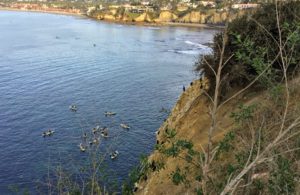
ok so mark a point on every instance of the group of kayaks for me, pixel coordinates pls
(48, 133)
(103, 133)
(112, 155)
(74, 108)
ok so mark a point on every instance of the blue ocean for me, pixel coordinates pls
(48, 62)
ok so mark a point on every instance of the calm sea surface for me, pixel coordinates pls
(48, 62)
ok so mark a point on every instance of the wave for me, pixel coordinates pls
(196, 44)
(203, 48)
(188, 52)
(202, 51)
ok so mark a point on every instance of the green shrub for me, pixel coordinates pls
(282, 178)
(178, 177)
(254, 49)
(245, 113)
(171, 133)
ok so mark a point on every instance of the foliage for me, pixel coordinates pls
(245, 113)
(282, 177)
(176, 147)
(170, 133)
(137, 173)
(178, 177)
(252, 47)
(17, 190)
(225, 145)
(199, 191)
(276, 93)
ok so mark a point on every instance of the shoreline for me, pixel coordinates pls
(152, 24)
(196, 25)
(161, 24)
(43, 11)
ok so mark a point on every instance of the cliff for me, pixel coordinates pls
(190, 119)
(166, 16)
(145, 17)
(193, 17)
(212, 16)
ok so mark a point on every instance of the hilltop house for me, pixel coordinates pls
(145, 3)
(182, 7)
(207, 3)
(244, 6)
(168, 7)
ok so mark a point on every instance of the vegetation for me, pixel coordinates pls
(253, 46)
(260, 154)
(138, 173)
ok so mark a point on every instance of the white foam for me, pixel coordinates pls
(196, 44)
(203, 51)
(189, 52)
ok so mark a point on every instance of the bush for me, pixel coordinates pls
(253, 48)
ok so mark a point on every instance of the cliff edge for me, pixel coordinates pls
(190, 119)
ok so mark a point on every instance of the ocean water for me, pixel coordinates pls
(48, 62)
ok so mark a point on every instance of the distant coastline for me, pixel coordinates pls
(43, 11)
(174, 24)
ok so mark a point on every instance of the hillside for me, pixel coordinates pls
(236, 130)
(212, 17)
(190, 119)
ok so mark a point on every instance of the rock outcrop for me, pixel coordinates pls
(166, 16)
(145, 17)
(109, 17)
(192, 17)
(212, 16)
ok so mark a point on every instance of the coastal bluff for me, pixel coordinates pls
(190, 119)
(210, 17)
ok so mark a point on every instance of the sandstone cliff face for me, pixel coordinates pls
(109, 17)
(196, 17)
(99, 17)
(125, 18)
(211, 17)
(113, 11)
(192, 17)
(166, 16)
(145, 17)
(191, 121)
(190, 118)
